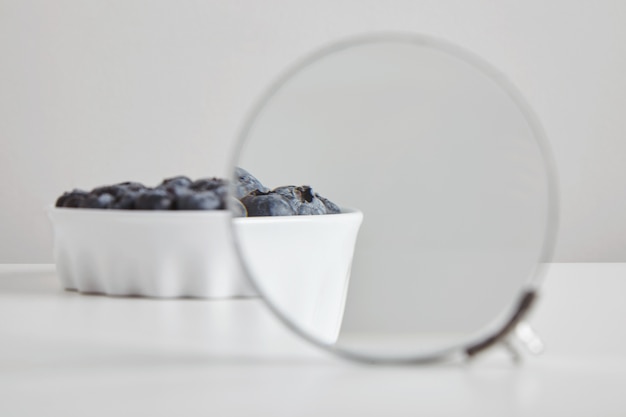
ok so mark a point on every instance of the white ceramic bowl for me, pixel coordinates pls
(147, 253)
(301, 265)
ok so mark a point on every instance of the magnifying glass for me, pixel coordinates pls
(445, 192)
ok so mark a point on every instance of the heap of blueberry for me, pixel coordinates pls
(181, 193)
(177, 193)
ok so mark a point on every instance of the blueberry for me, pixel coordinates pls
(175, 186)
(125, 193)
(131, 186)
(114, 190)
(222, 190)
(331, 208)
(127, 200)
(201, 200)
(302, 199)
(205, 184)
(71, 199)
(216, 185)
(288, 193)
(176, 191)
(98, 201)
(259, 203)
(245, 183)
(155, 199)
(237, 207)
(174, 182)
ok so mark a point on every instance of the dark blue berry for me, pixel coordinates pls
(72, 199)
(174, 182)
(131, 186)
(175, 186)
(127, 200)
(155, 199)
(98, 201)
(114, 190)
(206, 184)
(217, 185)
(202, 200)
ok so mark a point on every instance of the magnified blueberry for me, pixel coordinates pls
(155, 199)
(98, 201)
(331, 208)
(302, 199)
(288, 192)
(202, 200)
(246, 183)
(72, 198)
(259, 203)
(237, 207)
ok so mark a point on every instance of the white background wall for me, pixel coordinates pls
(93, 92)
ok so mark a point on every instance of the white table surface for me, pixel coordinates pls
(66, 354)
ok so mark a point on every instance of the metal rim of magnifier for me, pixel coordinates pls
(527, 296)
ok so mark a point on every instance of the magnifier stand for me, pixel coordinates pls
(517, 332)
(526, 337)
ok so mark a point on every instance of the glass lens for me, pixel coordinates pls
(445, 189)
